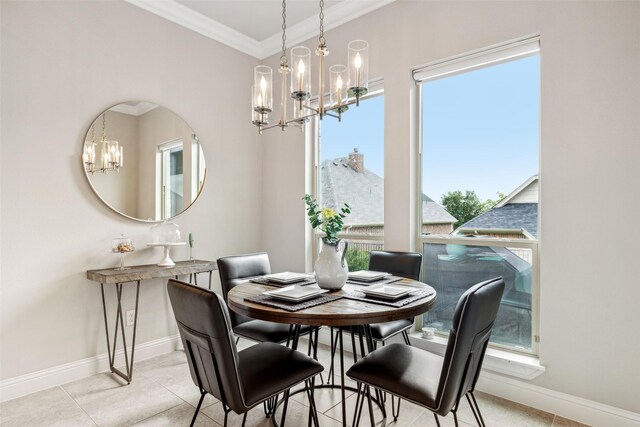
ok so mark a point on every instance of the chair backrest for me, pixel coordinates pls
(473, 319)
(404, 264)
(235, 269)
(205, 329)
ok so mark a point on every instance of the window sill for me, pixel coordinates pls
(502, 362)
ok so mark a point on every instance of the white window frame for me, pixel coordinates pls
(313, 132)
(161, 159)
(481, 58)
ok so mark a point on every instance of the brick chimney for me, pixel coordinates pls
(356, 161)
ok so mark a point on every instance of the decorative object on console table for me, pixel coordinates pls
(166, 235)
(121, 245)
(191, 241)
(331, 267)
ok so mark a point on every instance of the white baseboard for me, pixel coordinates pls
(565, 405)
(29, 383)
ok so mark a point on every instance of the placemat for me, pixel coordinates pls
(265, 281)
(385, 281)
(413, 296)
(292, 306)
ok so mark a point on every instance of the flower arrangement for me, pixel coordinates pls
(329, 221)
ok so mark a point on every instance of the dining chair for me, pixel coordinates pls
(401, 264)
(237, 269)
(239, 379)
(434, 382)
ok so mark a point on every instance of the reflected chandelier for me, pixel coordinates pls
(111, 155)
(347, 84)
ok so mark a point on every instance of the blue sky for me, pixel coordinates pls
(480, 130)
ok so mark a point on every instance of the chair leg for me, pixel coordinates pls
(226, 414)
(479, 418)
(195, 415)
(358, 407)
(373, 423)
(455, 418)
(313, 410)
(353, 344)
(437, 420)
(405, 335)
(237, 340)
(395, 412)
(284, 408)
(244, 419)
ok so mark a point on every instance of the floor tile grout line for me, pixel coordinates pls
(77, 404)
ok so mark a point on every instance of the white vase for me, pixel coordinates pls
(331, 266)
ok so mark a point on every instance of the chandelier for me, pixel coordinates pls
(111, 155)
(346, 84)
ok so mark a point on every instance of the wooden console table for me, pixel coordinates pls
(136, 273)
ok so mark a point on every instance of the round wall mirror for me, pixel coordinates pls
(143, 161)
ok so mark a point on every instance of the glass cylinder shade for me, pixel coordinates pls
(300, 73)
(262, 89)
(259, 116)
(358, 51)
(338, 79)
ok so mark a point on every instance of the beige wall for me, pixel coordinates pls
(590, 99)
(63, 63)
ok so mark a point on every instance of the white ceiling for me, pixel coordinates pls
(254, 26)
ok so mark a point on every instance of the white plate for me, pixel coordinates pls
(386, 291)
(367, 276)
(287, 277)
(296, 293)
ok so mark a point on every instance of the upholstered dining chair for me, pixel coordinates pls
(237, 269)
(431, 381)
(240, 380)
(402, 264)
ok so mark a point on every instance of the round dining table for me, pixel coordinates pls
(340, 312)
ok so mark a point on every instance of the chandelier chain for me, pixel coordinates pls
(283, 57)
(321, 39)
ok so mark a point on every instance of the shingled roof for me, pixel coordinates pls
(364, 192)
(516, 216)
(518, 212)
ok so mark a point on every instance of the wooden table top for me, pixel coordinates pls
(151, 271)
(342, 312)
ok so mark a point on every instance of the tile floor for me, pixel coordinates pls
(162, 394)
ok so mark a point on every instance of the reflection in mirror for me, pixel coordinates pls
(164, 170)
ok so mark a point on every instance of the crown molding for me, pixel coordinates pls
(195, 21)
(335, 16)
(137, 110)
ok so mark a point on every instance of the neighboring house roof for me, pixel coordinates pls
(518, 216)
(433, 213)
(516, 212)
(364, 193)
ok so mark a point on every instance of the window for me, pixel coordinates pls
(351, 170)
(479, 184)
(171, 178)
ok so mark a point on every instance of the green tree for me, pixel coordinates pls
(489, 203)
(463, 207)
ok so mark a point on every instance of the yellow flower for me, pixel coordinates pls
(328, 213)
